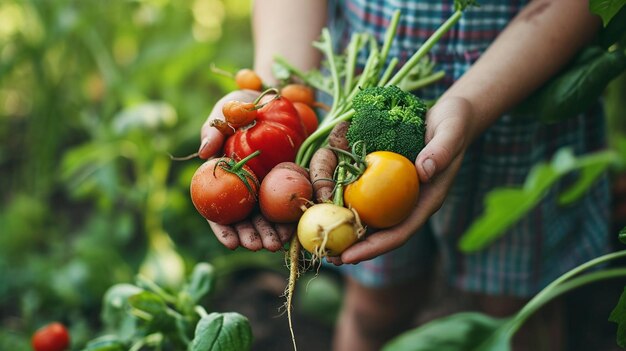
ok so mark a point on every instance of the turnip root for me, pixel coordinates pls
(328, 229)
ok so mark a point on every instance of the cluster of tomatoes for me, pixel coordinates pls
(259, 136)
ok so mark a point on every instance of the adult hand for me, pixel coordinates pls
(447, 137)
(257, 232)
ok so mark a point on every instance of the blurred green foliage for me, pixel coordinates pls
(94, 97)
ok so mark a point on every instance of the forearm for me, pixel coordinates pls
(287, 28)
(535, 45)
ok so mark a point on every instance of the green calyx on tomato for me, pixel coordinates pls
(277, 133)
(237, 168)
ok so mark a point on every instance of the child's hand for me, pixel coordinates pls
(447, 137)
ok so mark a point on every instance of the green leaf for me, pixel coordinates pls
(147, 303)
(464, 331)
(587, 177)
(606, 9)
(618, 315)
(222, 332)
(152, 310)
(201, 282)
(115, 310)
(506, 206)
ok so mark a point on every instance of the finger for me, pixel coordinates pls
(211, 139)
(248, 236)
(336, 260)
(285, 231)
(444, 140)
(269, 237)
(225, 235)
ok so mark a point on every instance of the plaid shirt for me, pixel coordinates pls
(550, 239)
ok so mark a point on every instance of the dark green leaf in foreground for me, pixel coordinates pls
(222, 332)
(465, 331)
(618, 315)
(606, 9)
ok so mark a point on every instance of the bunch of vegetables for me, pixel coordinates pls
(358, 162)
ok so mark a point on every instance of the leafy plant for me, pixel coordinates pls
(505, 206)
(147, 316)
(473, 331)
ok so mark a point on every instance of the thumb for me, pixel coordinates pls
(211, 140)
(445, 139)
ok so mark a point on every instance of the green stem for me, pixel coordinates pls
(389, 35)
(321, 132)
(353, 49)
(239, 165)
(201, 311)
(300, 74)
(332, 65)
(551, 292)
(156, 289)
(341, 175)
(583, 267)
(388, 72)
(561, 285)
(425, 48)
(424, 81)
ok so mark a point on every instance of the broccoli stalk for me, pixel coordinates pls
(390, 119)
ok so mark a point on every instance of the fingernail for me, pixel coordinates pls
(429, 167)
(203, 144)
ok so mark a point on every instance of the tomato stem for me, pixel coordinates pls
(239, 165)
(263, 94)
(229, 165)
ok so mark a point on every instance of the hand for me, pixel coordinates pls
(211, 139)
(447, 138)
(256, 233)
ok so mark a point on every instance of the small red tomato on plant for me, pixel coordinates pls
(277, 133)
(224, 191)
(51, 337)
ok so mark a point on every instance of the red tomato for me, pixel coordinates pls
(277, 133)
(223, 191)
(51, 337)
(308, 116)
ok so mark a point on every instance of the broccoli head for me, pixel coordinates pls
(390, 119)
